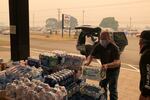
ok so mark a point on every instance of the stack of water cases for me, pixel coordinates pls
(61, 60)
(15, 72)
(8, 75)
(61, 55)
(74, 61)
(33, 62)
(69, 60)
(24, 89)
(91, 91)
(48, 59)
(73, 89)
(64, 78)
(34, 73)
(24, 82)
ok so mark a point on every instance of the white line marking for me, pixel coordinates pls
(40, 50)
(135, 65)
(129, 69)
(36, 52)
(131, 66)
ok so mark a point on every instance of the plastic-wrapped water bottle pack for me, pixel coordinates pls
(48, 60)
(94, 73)
(34, 62)
(24, 89)
(92, 91)
(64, 78)
(74, 61)
(15, 72)
(61, 60)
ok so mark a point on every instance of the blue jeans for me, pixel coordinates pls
(111, 80)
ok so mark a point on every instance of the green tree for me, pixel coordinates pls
(109, 22)
(51, 24)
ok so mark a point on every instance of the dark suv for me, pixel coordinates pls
(93, 32)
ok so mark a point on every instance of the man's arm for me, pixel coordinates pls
(88, 60)
(92, 54)
(114, 64)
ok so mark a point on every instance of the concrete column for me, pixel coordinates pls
(19, 29)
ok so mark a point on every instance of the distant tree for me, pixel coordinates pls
(60, 24)
(51, 24)
(73, 22)
(109, 22)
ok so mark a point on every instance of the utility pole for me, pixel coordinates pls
(130, 23)
(83, 12)
(59, 11)
(62, 25)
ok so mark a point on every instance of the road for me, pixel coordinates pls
(129, 58)
(131, 53)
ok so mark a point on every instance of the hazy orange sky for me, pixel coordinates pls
(95, 11)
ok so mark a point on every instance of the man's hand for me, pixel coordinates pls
(104, 66)
(86, 63)
(88, 60)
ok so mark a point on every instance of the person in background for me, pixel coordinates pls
(109, 55)
(144, 65)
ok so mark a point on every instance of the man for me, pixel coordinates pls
(109, 55)
(145, 65)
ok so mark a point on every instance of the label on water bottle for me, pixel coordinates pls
(94, 73)
(102, 74)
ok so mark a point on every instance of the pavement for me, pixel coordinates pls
(128, 85)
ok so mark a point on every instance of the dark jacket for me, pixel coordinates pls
(145, 71)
